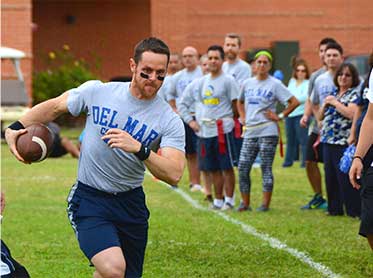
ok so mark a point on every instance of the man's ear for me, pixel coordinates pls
(132, 65)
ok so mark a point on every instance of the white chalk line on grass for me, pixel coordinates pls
(273, 242)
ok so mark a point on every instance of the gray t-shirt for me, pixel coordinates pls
(313, 125)
(179, 81)
(323, 87)
(313, 78)
(162, 92)
(240, 70)
(259, 96)
(111, 105)
(212, 98)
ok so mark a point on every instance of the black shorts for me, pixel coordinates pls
(191, 140)
(58, 150)
(314, 153)
(366, 226)
(102, 220)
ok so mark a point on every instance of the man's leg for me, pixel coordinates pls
(218, 181)
(70, 147)
(194, 176)
(207, 185)
(109, 263)
(313, 155)
(314, 176)
(191, 141)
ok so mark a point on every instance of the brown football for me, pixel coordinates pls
(36, 144)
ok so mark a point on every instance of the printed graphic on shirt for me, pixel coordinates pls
(208, 96)
(106, 119)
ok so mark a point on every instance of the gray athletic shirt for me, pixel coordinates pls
(240, 70)
(111, 105)
(162, 92)
(212, 98)
(259, 96)
(323, 87)
(313, 126)
(179, 81)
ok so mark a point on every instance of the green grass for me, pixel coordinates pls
(183, 241)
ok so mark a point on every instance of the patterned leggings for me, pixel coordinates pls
(266, 147)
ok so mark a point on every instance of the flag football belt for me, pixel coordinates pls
(220, 127)
(253, 127)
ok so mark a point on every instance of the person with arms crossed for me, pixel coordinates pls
(126, 121)
(358, 175)
(214, 97)
(314, 152)
(256, 106)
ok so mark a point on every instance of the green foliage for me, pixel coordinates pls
(63, 72)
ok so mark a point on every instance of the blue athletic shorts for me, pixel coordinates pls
(102, 220)
(209, 157)
(191, 140)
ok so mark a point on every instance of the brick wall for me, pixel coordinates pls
(202, 23)
(107, 30)
(16, 33)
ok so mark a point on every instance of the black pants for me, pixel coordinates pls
(339, 189)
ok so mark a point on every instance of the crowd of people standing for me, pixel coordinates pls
(229, 111)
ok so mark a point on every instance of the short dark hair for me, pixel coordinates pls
(354, 74)
(234, 36)
(300, 62)
(151, 44)
(334, 45)
(326, 41)
(217, 48)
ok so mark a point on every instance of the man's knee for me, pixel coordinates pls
(111, 270)
(110, 263)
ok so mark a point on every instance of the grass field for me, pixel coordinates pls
(185, 238)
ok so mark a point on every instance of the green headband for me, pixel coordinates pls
(265, 53)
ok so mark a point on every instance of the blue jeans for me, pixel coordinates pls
(295, 136)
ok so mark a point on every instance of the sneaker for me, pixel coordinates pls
(262, 208)
(213, 207)
(317, 201)
(209, 198)
(256, 165)
(195, 187)
(227, 206)
(174, 187)
(242, 208)
(323, 205)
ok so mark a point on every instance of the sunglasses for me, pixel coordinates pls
(300, 70)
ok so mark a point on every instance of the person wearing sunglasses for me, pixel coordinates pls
(296, 135)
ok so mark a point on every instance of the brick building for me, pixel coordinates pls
(108, 29)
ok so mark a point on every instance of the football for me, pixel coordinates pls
(36, 144)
